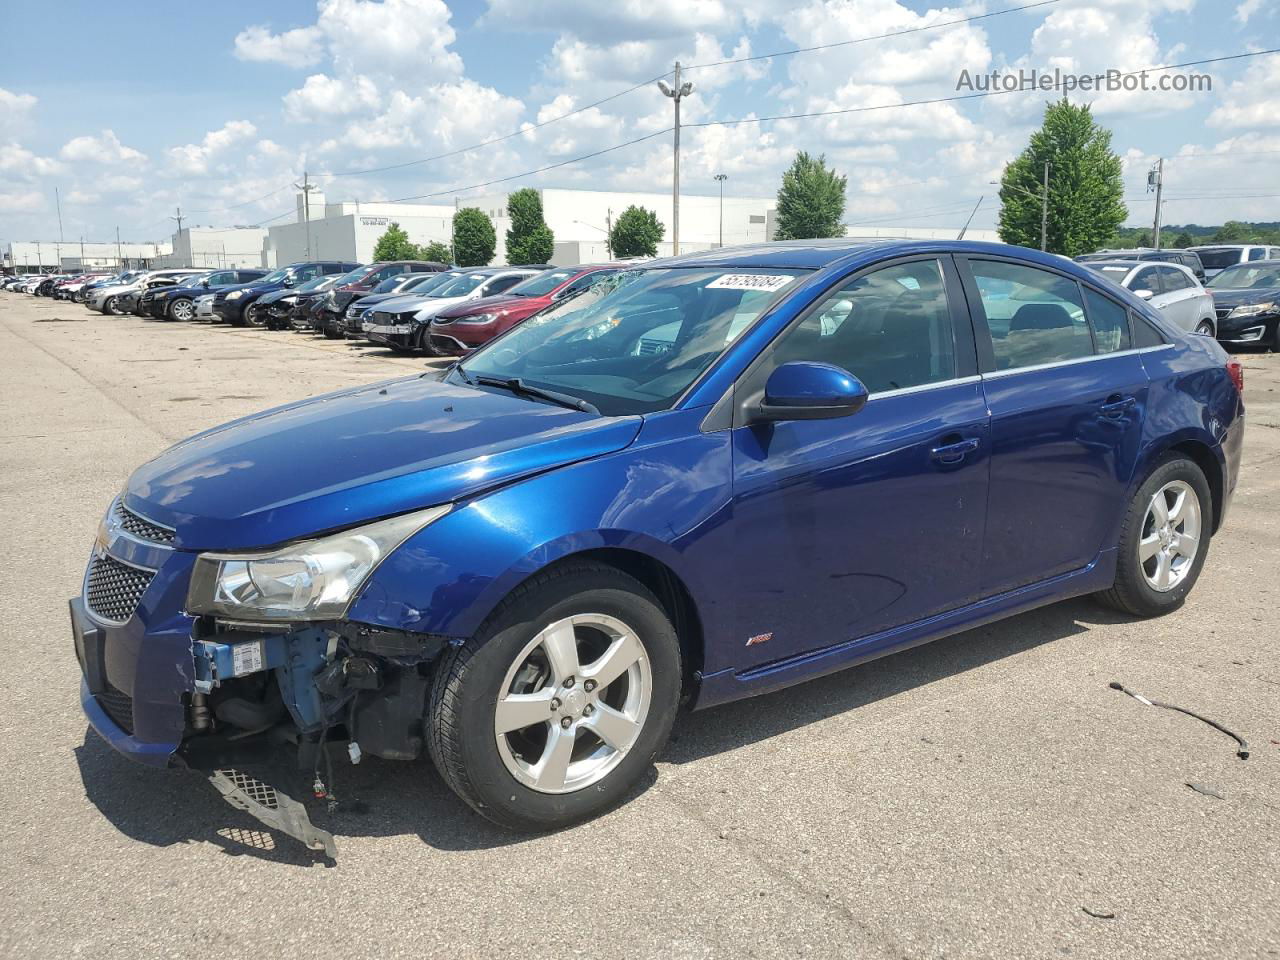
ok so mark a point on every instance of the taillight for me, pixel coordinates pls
(1235, 370)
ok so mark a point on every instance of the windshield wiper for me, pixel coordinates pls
(518, 386)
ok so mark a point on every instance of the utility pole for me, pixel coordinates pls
(40, 258)
(453, 233)
(608, 232)
(1044, 210)
(1155, 181)
(57, 198)
(179, 218)
(119, 258)
(722, 177)
(677, 92)
(965, 228)
(82, 250)
(306, 186)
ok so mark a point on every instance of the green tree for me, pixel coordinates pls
(1143, 239)
(1183, 240)
(1233, 231)
(529, 240)
(436, 251)
(810, 200)
(394, 245)
(636, 233)
(1085, 184)
(474, 238)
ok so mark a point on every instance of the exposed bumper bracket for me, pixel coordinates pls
(272, 807)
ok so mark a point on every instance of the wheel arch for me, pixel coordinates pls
(1208, 457)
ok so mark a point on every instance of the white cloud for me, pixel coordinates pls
(1247, 9)
(301, 47)
(193, 158)
(19, 162)
(323, 97)
(105, 149)
(21, 201)
(1253, 101)
(15, 109)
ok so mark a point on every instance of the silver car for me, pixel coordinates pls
(1169, 287)
(118, 299)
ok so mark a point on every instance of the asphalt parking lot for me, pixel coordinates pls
(985, 796)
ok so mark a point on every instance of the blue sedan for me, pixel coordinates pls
(705, 478)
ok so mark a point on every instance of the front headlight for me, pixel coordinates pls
(478, 318)
(1251, 310)
(235, 294)
(308, 580)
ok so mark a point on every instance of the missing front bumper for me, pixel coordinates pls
(272, 807)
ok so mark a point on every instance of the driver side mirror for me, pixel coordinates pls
(804, 390)
(1144, 294)
(288, 281)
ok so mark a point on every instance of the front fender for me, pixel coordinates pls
(666, 496)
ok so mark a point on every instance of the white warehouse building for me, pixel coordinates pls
(38, 256)
(580, 220)
(219, 247)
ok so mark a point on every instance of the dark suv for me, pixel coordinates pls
(1187, 258)
(235, 305)
(178, 302)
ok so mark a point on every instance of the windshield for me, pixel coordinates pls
(1216, 259)
(355, 276)
(275, 276)
(460, 286)
(635, 341)
(315, 283)
(540, 284)
(1247, 276)
(423, 282)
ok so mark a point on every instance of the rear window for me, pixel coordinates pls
(1219, 258)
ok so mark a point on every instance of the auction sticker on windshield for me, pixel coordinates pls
(751, 281)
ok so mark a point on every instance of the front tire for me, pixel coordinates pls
(1205, 328)
(182, 309)
(1164, 540)
(560, 703)
(112, 306)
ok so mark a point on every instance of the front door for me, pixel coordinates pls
(851, 526)
(1067, 394)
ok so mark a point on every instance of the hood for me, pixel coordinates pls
(253, 285)
(355, 456)
(1228, 297)
(377, 299)
(492, 304)
(280, 294)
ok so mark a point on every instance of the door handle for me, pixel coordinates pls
(955, 451)
(1117, 406)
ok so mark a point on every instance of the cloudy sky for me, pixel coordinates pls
(131, 112)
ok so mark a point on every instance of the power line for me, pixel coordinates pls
(236, 206)
(878, 36)
(490, 142)
(644, 83)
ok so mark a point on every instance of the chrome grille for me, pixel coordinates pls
(140, 527)
(112, 590)
(117, 705)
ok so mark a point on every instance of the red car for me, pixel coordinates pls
(461, 329)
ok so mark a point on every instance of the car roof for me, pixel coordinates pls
(847, 251)
(1127, 264)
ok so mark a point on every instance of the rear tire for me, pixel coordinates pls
(542, 645)
(1153, 572)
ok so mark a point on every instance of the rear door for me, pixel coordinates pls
(1067, 394)
(1180, 298)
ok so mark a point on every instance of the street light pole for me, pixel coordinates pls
(1044, 210)
(677, 92)
(722, 177)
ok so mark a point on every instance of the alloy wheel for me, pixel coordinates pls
(1205, 328)
(253, 315)
(113, 307)
(573, 703)
(182, 310)
(1170, 536)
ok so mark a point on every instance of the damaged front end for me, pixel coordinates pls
(270, 710)
(244, 667)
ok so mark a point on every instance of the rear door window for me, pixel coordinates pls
(1034, 316)
(1110, 322)
(1148, 278)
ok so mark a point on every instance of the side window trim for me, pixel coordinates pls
(727, 411)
